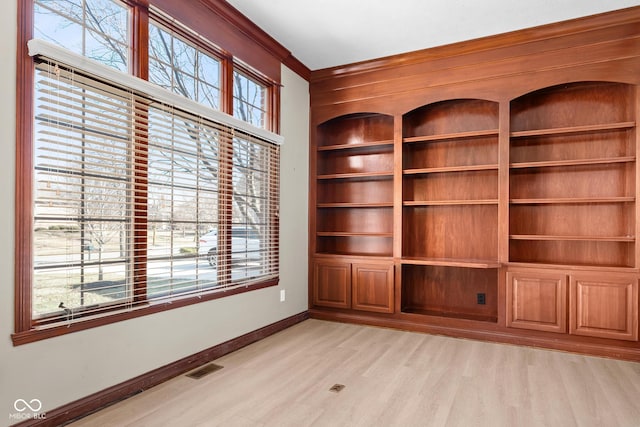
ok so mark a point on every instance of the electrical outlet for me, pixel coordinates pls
(282, 295)
(481, 298)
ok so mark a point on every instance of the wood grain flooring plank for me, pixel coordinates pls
(391, 378)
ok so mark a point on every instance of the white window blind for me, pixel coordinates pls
(140, 198)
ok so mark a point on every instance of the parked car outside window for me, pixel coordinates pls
(245, 245)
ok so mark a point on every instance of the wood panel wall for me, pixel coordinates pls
(498, 68)
(436, 284)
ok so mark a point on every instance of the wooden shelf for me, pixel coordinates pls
(367, 255)
(452, 314)
(572, 238)
(354, 175)
(577, 162)
(450, 202)
(470, 168)
(572, 200)
(355, 205)
(575, 267)
(351, 234)
(451, 262)
(573, 129)
(450, 136)
(356, 146)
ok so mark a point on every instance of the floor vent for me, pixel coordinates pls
(337, 388)
(203, 371)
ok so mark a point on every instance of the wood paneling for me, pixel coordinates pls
(582, 253)
(450, 291)
(437, 232)
(537, 301)
(332, 280)
(590, 181)
(356, 191)
(355, 129)
(573, 104)
(363, 220)
(452, 153)
(372, 287)
(463, 185)
(372, 245)
(598, 219)
(371, 159)
(594, 145)
(572, 177)
(500, 69)
(604, 306)
(514, 153)
(462, 115)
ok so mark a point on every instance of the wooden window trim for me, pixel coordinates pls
(33, 335)
(25, 74)
(272, 121)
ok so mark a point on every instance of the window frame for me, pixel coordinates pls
(140, 15)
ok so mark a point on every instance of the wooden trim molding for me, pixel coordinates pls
(32, 335)
(24, 165)
(218, 21)
(85, 406)
(508, 40)
(463, 329)
(297, 67)
(237, 19)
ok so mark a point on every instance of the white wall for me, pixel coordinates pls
(63, 369)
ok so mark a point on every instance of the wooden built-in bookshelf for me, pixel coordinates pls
(467, 194)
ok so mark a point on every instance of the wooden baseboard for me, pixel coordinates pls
(101, 399)
(600, 348)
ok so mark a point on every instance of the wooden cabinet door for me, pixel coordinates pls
(372, 287)
(537, 301)
(604, 306)
(332, 284)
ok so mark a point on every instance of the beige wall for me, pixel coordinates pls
(63, 369)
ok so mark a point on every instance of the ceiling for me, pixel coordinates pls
(327, 33)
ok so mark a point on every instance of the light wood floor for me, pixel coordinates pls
(392, 378)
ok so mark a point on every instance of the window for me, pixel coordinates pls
(82, 193)
(249, 100)
(114, 164)
(180, 67)
(255, 208)
(98, 29)
(139, 199)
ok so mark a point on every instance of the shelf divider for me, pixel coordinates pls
(366, 144)
(351, 234)
(572, 238)
(449, 202)
(351, 175)
(450, 136)
(579, 162)
(452, 262)
(572, 200)
(573, 129)
(355, 205)
(471, 168)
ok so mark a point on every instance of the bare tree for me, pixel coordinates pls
(176, 66)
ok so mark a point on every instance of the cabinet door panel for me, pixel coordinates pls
(332, 284)
(373, 287)
(604, 306)
(537, 301)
